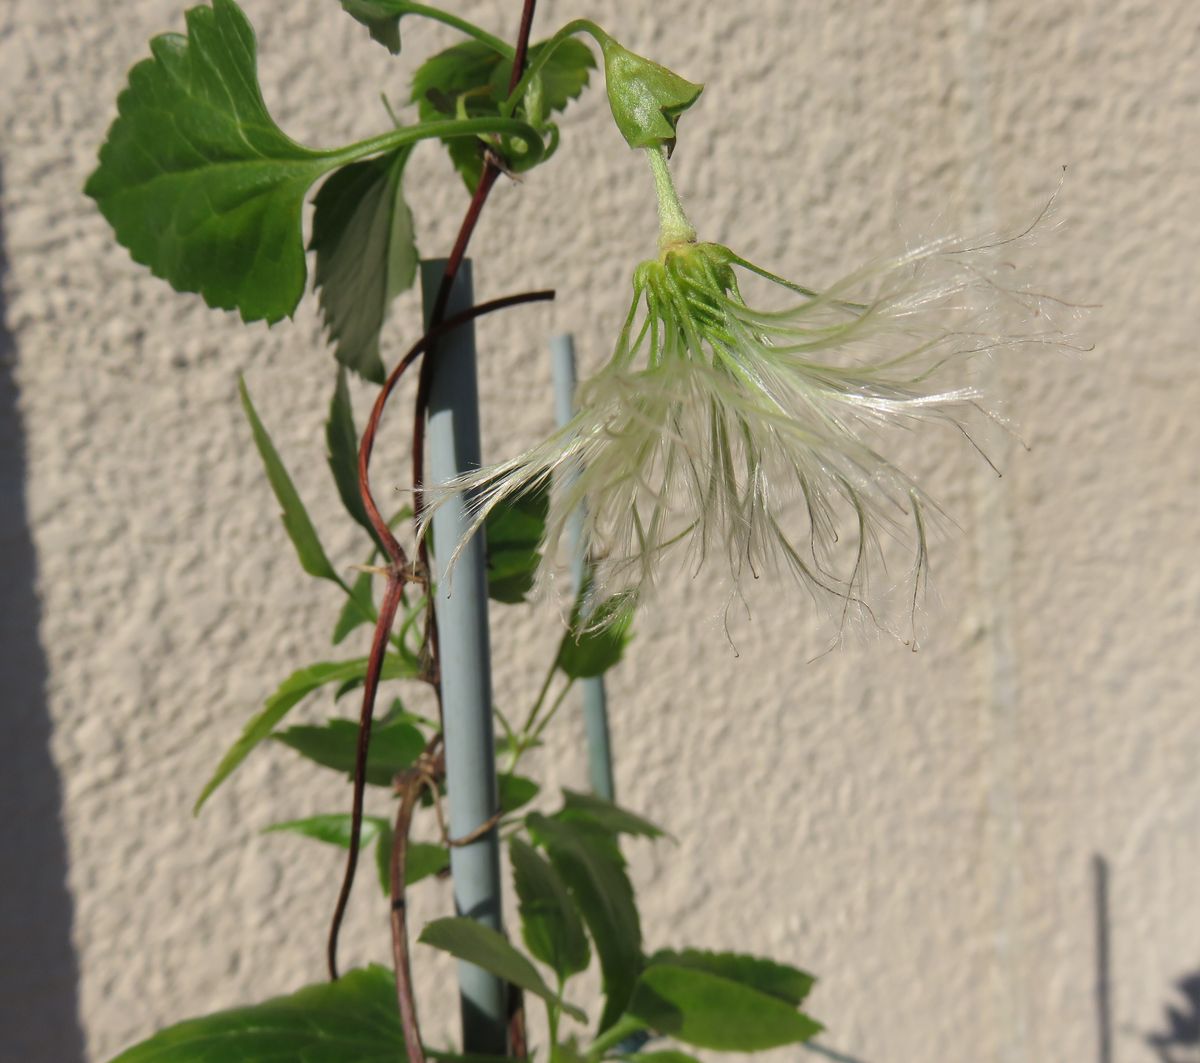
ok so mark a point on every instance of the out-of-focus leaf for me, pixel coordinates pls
(423, 860)
(468, 940)
(332, 828)
(513, 532)
(709, 1011)
(789, 984)
(591, 865)
(605, 814)
(591, 647)
(550, 923)
(354, 1018)
(516, 791)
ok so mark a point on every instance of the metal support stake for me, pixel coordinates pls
(595, 703)
(462, 612)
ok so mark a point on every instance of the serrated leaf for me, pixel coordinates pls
(354, 1018)
(550, 925)
(475, 943)
(788, 984)
(293, 514)
(515, 791)
(290, 693)
(198, 181)
(354, 612)
(394, 747)
(605, 814)
(514, 532)
(591, 648)
(341, 440)
(591, 865)
(422, 861)
(475, 76)
(366, 256)
(708, 1011)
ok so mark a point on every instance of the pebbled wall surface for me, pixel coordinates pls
(988, 850)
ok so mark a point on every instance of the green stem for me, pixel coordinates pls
(545, 51)
(471, 127)
(674, 227)
(403, 7)
(562, 696)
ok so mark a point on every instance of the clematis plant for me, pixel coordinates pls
(712, 418)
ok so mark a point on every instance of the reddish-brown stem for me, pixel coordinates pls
(410, 790)
(398, 575)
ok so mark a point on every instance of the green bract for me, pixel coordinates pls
(646, 99)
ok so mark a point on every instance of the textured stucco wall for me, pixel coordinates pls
(919, 829)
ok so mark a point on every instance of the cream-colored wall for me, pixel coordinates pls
(919, 829)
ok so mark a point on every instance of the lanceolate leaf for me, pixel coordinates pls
(394, 747)
(354, 612)
(588, 861)
(550, 923)
(354, 1018)
(366, 256)
(294, 516)
(196, 178)
(291, 692)
(341, 439)
(775, 979)
(709, 1011)
(481, 945)
(605, 814)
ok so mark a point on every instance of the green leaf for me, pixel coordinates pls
(393, 747)
(366, 256)
(341, 439)
(646, 99)
(788, 984)
(550, 924)
(198, 181)
(605, 814)
(516, 791)
(592, 648)
(354, 612)
(473, 76)
(290, 693)
(591, 865)
(294, 516)
(424, 859)
(354, 1018)
(332, 828)
(709, 1011)
(484, 947)
(665, 1056)
(513, 533)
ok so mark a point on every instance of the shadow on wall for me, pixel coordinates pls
(1180, 1042)
(39, 1018)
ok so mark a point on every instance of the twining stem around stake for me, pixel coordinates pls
(399, 573)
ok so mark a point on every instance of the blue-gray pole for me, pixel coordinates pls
(462, 608)
(595, 704)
